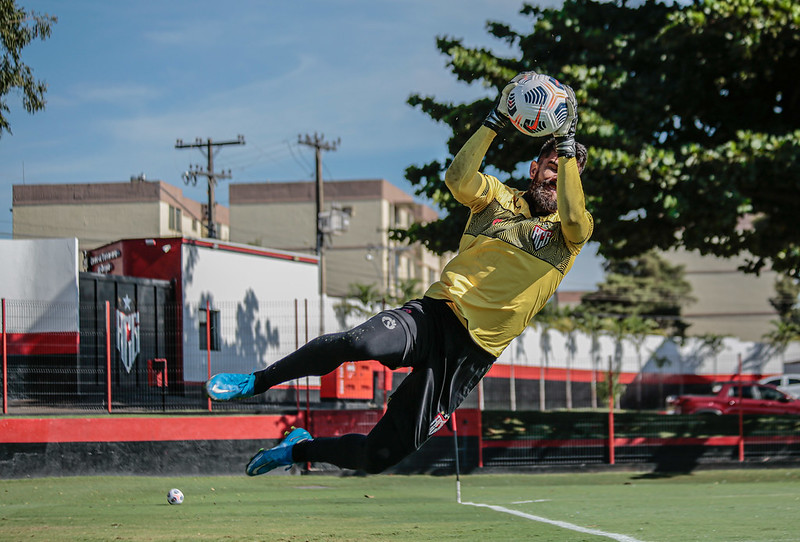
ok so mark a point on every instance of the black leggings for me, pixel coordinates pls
(423, 334)
(320, 356)
(373, 339)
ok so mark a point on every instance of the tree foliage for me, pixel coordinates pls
(18, 28)
(787, 327)
(787, 292)
(646, 292)
(690, 112)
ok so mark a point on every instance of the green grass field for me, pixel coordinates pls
(724, 506)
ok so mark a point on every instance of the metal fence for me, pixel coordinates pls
(138, 357)
(130, 355)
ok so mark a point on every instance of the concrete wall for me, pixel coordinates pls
(43, 275)
(255, 293)
(100, 213)
(281, 215)
(656, 354)
(93, 224)
(729, 302)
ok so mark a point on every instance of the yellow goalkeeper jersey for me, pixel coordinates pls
(509, 262)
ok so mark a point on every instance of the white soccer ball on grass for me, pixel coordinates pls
(175, 496)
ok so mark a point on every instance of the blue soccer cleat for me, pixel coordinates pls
(227, 386)
(279, 456)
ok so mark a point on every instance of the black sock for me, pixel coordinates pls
(346, 452)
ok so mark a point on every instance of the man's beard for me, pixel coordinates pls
(543, 199)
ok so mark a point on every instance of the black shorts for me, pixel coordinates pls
(446, 364)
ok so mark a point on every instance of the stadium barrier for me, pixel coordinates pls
(139, 356)
(486, 441)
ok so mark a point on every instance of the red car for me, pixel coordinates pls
(731, 397)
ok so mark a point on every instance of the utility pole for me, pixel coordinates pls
(319, 144)
(207, 147)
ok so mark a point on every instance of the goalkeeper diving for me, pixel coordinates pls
(515, 250)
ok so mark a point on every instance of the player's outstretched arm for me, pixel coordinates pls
(462, 177)
(575, 223)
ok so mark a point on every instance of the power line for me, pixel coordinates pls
(319, 144)
(207, 147)
(298, 159)
(258, 155)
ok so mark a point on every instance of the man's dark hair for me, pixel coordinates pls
(550, 147)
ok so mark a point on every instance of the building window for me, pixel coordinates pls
(432, 276)
(175, 219)
(213, 332)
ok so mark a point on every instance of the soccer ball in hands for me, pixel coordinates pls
(537, 106)
(175, 496)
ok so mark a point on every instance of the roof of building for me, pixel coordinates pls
(135, 191)
(284, 192)
(305, 191)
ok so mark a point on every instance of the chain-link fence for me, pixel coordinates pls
(148, 355)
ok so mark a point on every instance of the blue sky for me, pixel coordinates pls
(127, 79)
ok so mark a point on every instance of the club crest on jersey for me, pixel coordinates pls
(438, 422)
(540, 237)
(389, 322)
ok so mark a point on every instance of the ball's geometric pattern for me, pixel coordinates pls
(537, 106)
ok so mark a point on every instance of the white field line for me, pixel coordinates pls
(562, 524)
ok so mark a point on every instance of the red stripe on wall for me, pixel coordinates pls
(559, 374)
(29, 430)
(254, 251)
(323, 423)
(641, 441)
(527, 372)
(29, 344)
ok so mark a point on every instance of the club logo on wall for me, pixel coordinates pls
(127, 334)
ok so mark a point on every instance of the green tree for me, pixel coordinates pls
(604, 388)
(787, 293)
(686, 110)
(648, 287)
(782, 334)
(787, 327)
(18, 28)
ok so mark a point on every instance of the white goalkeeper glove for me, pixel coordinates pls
(498, 116)
(565, 135)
